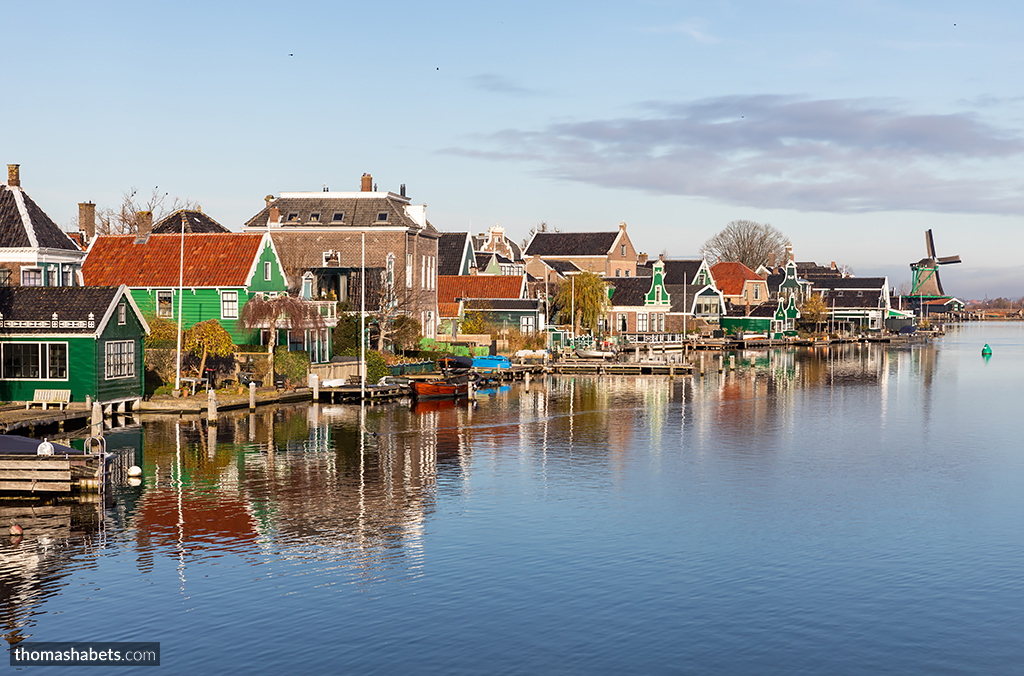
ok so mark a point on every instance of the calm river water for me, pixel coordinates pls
(858, 510)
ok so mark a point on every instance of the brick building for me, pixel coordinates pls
(323, 233)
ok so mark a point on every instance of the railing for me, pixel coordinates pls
(328, 309)
(654, 338)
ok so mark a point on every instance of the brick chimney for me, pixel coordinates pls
(13, 175)
(833, 265)
(771, 261)
(275, 216)
(789, 252)
(87, 220)
(367, 183)
(641, 259)
(143, 226)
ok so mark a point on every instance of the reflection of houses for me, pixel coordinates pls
(88, 340)
(220, 273)
(607, 254)
(34, 251)
(324, 233)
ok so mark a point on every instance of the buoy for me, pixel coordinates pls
(985, 351)
(16, 529)
(134, 470)
(45, 448)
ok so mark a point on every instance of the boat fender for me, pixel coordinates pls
(134, 470)
(16, 529)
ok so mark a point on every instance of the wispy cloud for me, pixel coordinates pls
(695, 28)
(499, 84)
(784, 152)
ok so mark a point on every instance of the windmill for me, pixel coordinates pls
(926, 282)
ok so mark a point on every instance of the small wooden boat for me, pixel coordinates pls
(452, 387)
(594, 354)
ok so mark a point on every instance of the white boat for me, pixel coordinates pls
(594, 354)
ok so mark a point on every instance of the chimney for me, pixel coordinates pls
(833, 265)
(143, 226)
(275, 216)
(403, 190)
(771, 261)
(789, 252)
(367, 183)
(661, 258)
(87, 220)
(13, 175)
(641, 259)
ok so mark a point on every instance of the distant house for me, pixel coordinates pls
(192, 221)
(34, 251)
(503, 298)
(607, 254)
(455, 254)
(332, 234)
(494, 241)
(860, 302)
(639, 305)
(221, 272)
(739, 284)
(88, 340)
(776, 319)
(692, 288)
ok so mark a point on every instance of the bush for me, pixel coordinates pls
(376, 368)
(293, 365)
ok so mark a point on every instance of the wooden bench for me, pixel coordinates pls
(50, 398)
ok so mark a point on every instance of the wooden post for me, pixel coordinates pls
(732, 362)
(97, 419)
(314, 382)
(211, 406)
(252, 396)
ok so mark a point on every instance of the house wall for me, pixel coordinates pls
(81, 369)
(116, 388)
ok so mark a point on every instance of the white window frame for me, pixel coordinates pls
(224, 297)
(408, 270)
(170, 314)
(118, 365)
(43, 357)
(641, 322)
(122, 313)
(32, 271)
(267, 271)
(526, 324)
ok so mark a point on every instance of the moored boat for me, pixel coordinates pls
(491, 363)
(594, 354)
(443, 388)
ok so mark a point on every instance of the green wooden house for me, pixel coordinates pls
(88, 340)
(219, 272)
(777, 320)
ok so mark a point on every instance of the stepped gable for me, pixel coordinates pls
(23, 225)
(215, 259)
(69, 303)
(571, 243)
(676, 271)
(195, 221)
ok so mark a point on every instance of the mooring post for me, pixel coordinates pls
(732, 362)
(252, 396)
(701, 364)
(211, 406)
(97, 419)
(314, 382)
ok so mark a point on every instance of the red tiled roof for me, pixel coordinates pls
(448, 309)
(730, 277)
(452, 287)
(223, 259)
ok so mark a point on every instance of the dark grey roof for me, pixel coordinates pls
(873, 283)
(850, 299)
(360, 212)
(517, 304)
(450, 248)
(571, 243)
(483, 259)
(677, 271)
(681, 295)
(195, 221)
(14, 229)
(38, 304)
(775, 281)
(629, 291)
(562, 267)
(810, 269)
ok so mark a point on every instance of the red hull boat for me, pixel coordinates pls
(439, 389)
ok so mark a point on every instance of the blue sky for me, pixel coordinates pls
(850, 126)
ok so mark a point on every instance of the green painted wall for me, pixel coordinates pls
(746, 324)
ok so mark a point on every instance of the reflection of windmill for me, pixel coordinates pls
(926, 271)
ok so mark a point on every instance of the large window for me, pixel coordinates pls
(164, 304)
(54, 276)
(35, 361)
(31, 277)
(526, 324)
(641, 322)
(120, 359)
(229, 305)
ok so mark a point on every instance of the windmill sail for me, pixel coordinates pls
(926, 282)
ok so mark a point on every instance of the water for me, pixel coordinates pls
(851, 511)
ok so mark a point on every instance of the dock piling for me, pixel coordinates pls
(252, 396)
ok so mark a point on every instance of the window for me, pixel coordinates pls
(661, 322)
(627, 273)
(5, 277)
(382, 216)
(623, 249)
(35, 361)
(314, 217)
(526, 324)
(860, 294)
(122, 315)
(54, 276)
(338, 216)
(229, 305)
(623, 326)
(69, 275)
(120, 359)
(408, 271)
(618, 273)
(757, 293)
(391, 270)
(164, 303)
(292, 217)
(641, 322)
(657, 294)
(266, 271)
(31, 277)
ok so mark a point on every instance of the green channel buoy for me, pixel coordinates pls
(986, 351)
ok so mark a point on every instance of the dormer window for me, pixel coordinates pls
(292, 217)
(338, 216)
(382, 216)
(314, 218)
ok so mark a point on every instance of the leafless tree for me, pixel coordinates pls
(120, 220)
(540, 227)
(389, 304)
(748, 242)
(281, 312)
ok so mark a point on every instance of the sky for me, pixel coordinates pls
(852, 127)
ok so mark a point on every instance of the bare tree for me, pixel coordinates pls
(748, 242)
(121, 220)
(540, 227)
(390, 306)
(282, 312)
